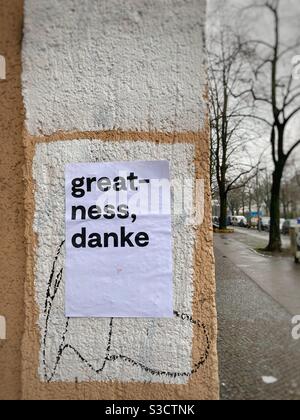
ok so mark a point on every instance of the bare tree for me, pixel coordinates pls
(229, 133)
(266, 188)
(276, 95)
(235, 200)
(290, 192)
(244, 199)
(258, 192)
(296, 171)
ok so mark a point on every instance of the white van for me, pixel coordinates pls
(239, 221)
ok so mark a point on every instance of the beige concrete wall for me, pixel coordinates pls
(12, 245)
(131, 84)
(202, 383)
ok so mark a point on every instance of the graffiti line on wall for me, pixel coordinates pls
(54, 283)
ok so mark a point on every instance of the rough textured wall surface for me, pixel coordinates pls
(115, 80)
(159, 345)
(12, 246)
(109, 64)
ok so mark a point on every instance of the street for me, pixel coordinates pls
(262, 236)
(257, 296)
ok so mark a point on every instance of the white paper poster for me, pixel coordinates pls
(118, 239)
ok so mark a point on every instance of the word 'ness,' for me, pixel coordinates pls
(82, 185)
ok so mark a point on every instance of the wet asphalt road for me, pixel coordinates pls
(255, 337)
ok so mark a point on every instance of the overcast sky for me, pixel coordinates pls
(260, 27)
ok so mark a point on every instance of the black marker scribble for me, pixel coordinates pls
(52, 289)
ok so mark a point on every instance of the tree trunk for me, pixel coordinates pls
(258, 219)
(275, 236)
(223, 211)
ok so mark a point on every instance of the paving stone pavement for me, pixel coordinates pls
(254, 341)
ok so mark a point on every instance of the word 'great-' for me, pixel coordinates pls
(86, 184)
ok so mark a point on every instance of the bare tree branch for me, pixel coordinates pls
(293, 148)
(232, 185)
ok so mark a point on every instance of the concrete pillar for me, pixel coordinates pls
(12, 220)
(109, 80)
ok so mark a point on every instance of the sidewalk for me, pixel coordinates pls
(255, 341)
(277, 276)
(263, 237)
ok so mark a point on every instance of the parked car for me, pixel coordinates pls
(243, 222)
(288, 223)
(239, 221)
(215, 222)
(265, 223)
(253, 222)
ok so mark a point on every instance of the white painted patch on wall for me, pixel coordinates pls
(2, 328)
(79, 348)
(2, 68)
(114, 64)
